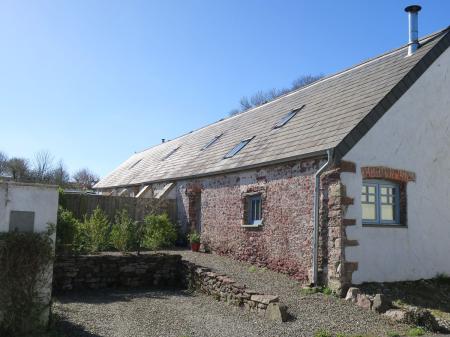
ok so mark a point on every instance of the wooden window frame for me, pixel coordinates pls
(378, 184)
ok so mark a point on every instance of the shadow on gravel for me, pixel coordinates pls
(106, 296)
(62, 327)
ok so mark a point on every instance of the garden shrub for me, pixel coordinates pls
(94, 232)
(159, 232)
(122, 233)
(24, 262)
(67, 231)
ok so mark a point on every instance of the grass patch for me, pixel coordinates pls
(314, 290)
(322, 333)
(393, 334)
(326, 291)
(308, 290)
(416, 332)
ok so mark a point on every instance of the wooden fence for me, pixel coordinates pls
(138, 208)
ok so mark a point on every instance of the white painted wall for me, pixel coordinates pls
(43, 201)
(40, 199)
(413, 135)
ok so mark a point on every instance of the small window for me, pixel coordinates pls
(254, 210)
(287, 118)
(135, 163)
(171, 153)
(211, 142)
(380, 202)
(238, 148)
(21, 221)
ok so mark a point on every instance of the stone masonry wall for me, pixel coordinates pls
(336, 271)
(160, 271)
(284, 240)
(108, 271)
(225, 289)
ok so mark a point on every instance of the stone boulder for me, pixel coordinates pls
(352, 294)
(363, 301)
(415, 316)
(264, 299)
(276, 312)
(380, 303)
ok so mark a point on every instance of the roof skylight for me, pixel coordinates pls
(171, 153)
(238, 148)
(135, 163)
(211, 142)
(286, 118)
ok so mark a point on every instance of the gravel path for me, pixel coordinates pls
(180, 313)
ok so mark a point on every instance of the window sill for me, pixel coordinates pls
(384, 226)
(252, 226)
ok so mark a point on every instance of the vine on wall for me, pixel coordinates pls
(24, 267)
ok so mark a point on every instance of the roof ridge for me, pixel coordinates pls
(390, 52)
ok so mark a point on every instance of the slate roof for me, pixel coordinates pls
(338, 110)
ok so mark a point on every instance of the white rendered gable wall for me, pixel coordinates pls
(414, 135)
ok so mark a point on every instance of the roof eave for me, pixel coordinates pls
(311, 155)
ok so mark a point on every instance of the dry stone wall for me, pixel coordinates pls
(160, 271)
(225, 289)
(117, 271)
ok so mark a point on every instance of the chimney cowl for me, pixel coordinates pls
(413, 18)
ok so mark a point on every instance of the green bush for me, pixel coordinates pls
(24, 261)
(94, 232)
(122, 233)
(159, 232)
(66, 230)
(416, 332)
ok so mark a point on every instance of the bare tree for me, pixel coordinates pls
(43, 166)
(3, 163)
(259, 98)
(305, 80)
(19, 169)
(85, 178)
(245, 103)
(60, 175)
(262, 97)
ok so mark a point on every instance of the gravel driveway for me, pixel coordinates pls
(180, 313)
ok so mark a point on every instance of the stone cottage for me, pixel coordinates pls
(343, 181)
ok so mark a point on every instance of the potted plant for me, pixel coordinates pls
(194, 239)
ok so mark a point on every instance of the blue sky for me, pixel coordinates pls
(93, 81)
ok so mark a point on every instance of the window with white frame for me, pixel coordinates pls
(380, 203)
(254, 210)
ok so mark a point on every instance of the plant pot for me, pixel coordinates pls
(195, 246)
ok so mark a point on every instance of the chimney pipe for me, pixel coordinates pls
(163, 140)
(413, 18)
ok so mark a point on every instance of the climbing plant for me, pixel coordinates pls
(24, 266)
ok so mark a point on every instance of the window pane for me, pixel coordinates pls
(364, 190)
(371, 198)
(387, 212)
(369, 212)
(372, 189)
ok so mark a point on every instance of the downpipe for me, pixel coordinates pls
(316, 216)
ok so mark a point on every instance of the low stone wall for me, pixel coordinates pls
(116, 271)
(225, 289)
(160, 271)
